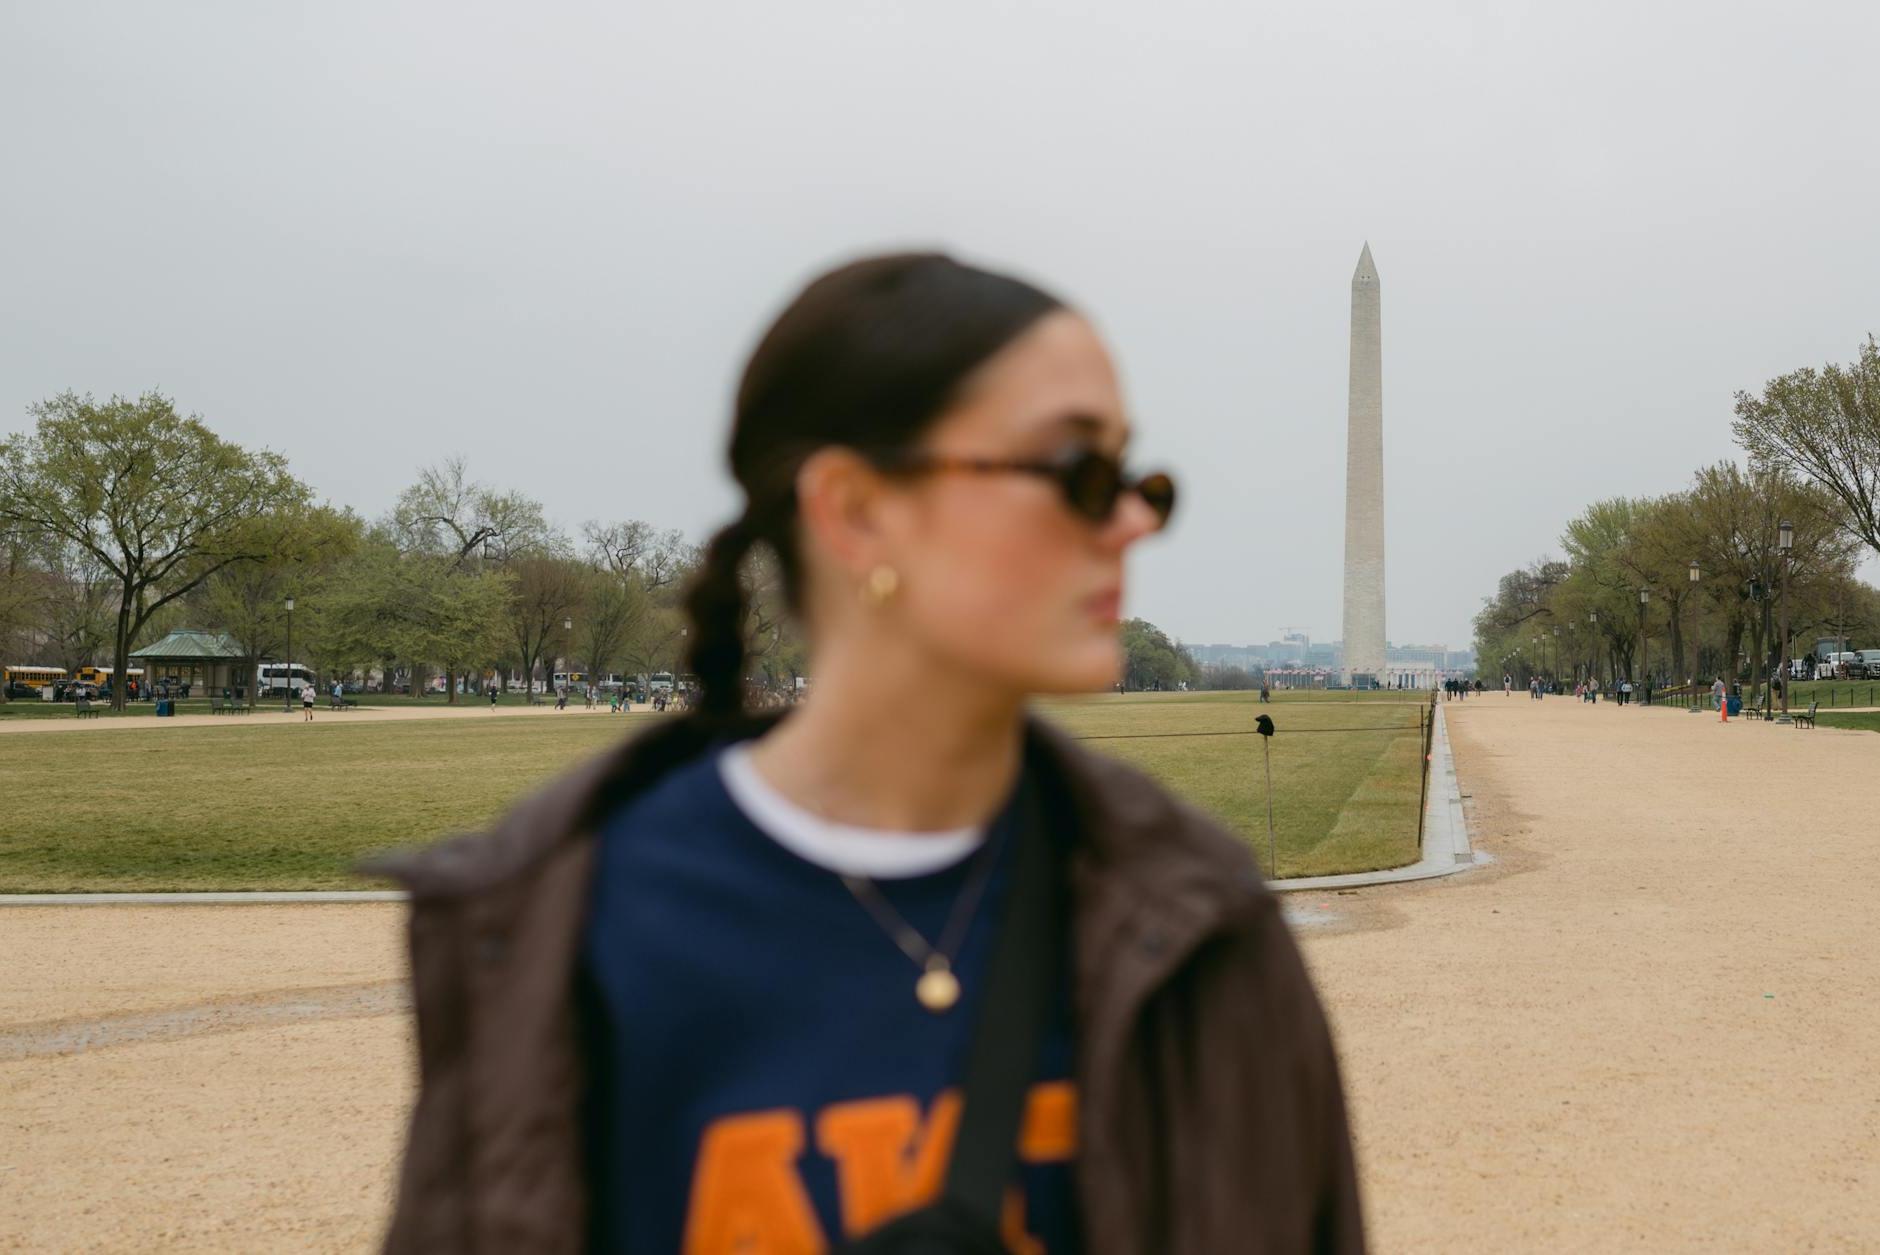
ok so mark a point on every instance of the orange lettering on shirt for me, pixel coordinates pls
(887, 1162)
(746, 1195)
(1049, 1133)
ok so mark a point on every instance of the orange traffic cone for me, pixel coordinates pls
(1723, 708)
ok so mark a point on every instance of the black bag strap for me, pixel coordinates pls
(1020, 988)
(1001, 1061)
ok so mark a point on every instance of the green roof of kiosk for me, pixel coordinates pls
(185, 643)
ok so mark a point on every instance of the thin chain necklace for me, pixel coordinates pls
(938, 988)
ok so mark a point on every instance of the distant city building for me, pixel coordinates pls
(1298, 656)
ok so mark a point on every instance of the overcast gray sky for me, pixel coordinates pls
(371, 235)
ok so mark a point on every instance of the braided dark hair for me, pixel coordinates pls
(866, 357)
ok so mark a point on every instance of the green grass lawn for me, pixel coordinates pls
(200, 705)
(1346, 767)
(1860, 721)
(290, 805)
(1835, 693)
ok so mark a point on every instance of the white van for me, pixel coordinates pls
(277, 677)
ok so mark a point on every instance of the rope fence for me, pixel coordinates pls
(1424, 729)
(1150, 736)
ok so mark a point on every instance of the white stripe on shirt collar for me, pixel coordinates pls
(847, 850)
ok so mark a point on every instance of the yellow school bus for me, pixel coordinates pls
(34, 678)
(101, 676)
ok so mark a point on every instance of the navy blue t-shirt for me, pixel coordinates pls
(763, 1077)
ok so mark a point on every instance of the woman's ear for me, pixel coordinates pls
(838, 498)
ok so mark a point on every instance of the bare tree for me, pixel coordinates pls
(1825, 427)
(446, 512)
(550, 587)
(640, 569)
(448, 515)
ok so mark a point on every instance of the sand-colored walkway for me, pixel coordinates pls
(1651, 1026)
(1654, 1025)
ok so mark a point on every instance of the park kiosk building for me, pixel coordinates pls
(208, 662)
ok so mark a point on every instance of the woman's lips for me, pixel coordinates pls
(1107, 607)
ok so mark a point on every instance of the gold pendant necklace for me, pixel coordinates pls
(937, 989)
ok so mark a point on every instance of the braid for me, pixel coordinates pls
(715, 605)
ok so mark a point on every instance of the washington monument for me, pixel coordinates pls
(1364, 483)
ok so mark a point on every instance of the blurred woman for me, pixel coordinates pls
(718, 990)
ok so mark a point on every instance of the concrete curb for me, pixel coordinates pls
(200, 899)
(1446, 845)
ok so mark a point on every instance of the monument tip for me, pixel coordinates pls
(1367, 269)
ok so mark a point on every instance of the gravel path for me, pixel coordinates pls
(1650, 1026)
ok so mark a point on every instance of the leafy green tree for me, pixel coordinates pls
(158, 499)
(1151, 659)
(301, 547)
(387, 604)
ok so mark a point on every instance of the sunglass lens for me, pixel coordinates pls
(1092, 484)
(1159, 491)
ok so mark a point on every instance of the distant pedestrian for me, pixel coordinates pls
(1507, 685)
(1266, 694)
(561, 697)
(306, 703)
(1718, 693)
(492, 698)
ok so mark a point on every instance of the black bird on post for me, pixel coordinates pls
(1264, 725)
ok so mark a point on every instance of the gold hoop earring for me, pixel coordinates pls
(881, 585)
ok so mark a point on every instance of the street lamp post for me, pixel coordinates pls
(1644, 641)
(1695, 576)
(287, 703)
(1592, 666)
(1785, 541)
(1556, 652)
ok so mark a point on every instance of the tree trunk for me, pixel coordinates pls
(450, 686)
(120, 653)
(1678, 673)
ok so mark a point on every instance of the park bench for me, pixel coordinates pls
(1806, 719)
(217, 705)
(84, 708)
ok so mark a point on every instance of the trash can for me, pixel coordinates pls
(1736, 704)
(165, 707)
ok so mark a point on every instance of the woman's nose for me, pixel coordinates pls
(1129, 522)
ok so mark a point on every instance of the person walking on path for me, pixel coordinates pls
(306, 702)
(721, 989)
(1720, 694)
(492, 697)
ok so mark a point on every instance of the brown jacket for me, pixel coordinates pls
(1211, 1116)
